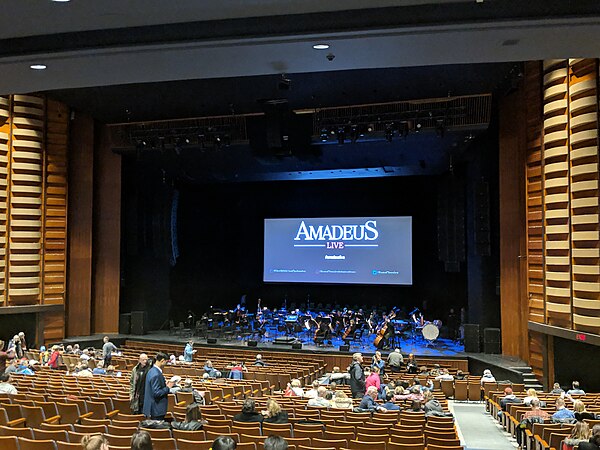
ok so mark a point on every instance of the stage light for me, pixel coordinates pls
(38, 66)
(370, 128)
(418, 126)
(324, 135)
(321, 46)
(389, 133)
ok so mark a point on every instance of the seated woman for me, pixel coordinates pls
(580, 412)
(341, 401)
(431, 405)
(294, 389)
(531, 394)
(487, 377)
(193, 419)
(580, 433)
(249, 413)
(210, 370)
(415, 406)
(274, 413)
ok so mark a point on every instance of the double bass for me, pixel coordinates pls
(383, 329)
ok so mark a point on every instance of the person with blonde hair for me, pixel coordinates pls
(341, 401)
(274, 413)
(94, 442)
(581, 433)
(580, 412)
(531, 394)
(594, 441)
(294, 389)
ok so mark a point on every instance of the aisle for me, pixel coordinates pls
(477, 429)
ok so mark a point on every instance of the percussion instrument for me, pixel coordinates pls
(430, 332)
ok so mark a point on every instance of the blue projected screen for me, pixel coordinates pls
(345, 250)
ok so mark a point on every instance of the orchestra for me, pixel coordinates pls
(387, 328)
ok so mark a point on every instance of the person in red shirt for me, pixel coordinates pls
(54, 360)
(373, 378)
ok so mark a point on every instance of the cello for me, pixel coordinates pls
(383, 329)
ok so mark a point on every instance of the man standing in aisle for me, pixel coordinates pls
(137, 384)
(107, 350)
(156, 390)
(357, 376)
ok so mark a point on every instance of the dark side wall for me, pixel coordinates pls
(576, 361)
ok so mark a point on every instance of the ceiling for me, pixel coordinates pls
(149, 60)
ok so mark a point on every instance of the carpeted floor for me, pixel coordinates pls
(477, 429)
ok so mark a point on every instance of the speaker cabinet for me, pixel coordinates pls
(252, 343)
(138, 322)
(211, 341)
(125, 323)
(344, 348)
(472, 340)
(297, 346)
(492, 341)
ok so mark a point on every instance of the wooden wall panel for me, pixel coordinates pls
(81, 193)
(513, 307)
(585, 217)
(533, 192)
(33, 208)
(55, 203)
(107, 236)
(556, 190)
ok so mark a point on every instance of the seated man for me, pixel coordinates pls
(320, 400)
(444, 375)
(508, 398)
(389, 404)
(576, 389)
(368, 402)
(313, 391)
(562, 414)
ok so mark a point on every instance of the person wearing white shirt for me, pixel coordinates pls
(5, 386)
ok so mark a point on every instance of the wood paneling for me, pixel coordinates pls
(512, 225)
(33, 209)
(107, 236)
(81, 192)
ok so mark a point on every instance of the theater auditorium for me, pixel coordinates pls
(300, 225)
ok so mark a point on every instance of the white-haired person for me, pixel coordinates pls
(487, 377)
(368, 402)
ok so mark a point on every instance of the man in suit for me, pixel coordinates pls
(156, 390)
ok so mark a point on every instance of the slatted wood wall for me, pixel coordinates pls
(33, 205)
(563, 216)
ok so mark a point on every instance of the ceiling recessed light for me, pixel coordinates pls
(38, 66)
(61, 1)
(321, 46)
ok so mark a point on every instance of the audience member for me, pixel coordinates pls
(416, 406)
(531, 394)
(444, 374)
(487, 377)
(156, 390)
(337, 376)
(389, 404)
(576, 390)
(320, 400)
(94, 442)
(536, 411)
(274, 413)
(224, 443)
(431, 405)
(312, 392)
(193, 419)
(294, 389)
(378, 362)
(372, 378)
(395, 361)
(99, 369)
(460, 375)
(357, 376)
(55, 357)
(188, 351)
(508, 398)
(274, 442)
(259, 361)
(341, 401)
(137, 384)
(210, 370)
(580, 433)
(556, 389)
(107, 350)
(562, 414)
(580, 412)
(249, 413)
(5, 386)
(594, 441)
(368, 402)
(141, 440)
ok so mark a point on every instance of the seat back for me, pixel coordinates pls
(9, 443)
(30, 444)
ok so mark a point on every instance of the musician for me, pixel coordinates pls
(416, 316)
(324, 328)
